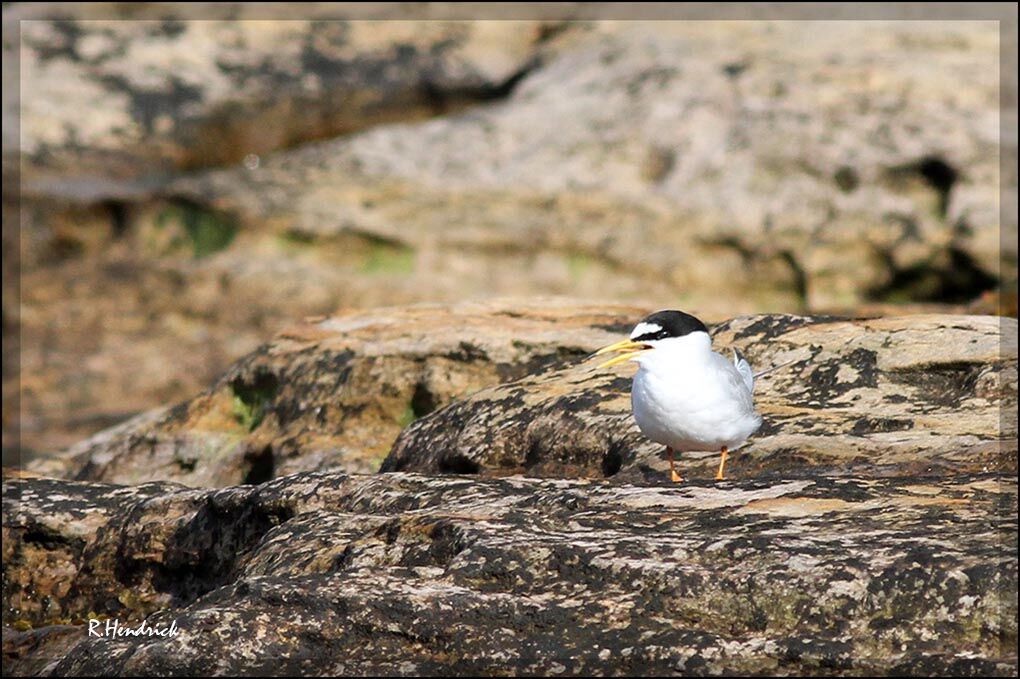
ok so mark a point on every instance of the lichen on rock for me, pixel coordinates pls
(324, 573)
(907, 395)
(335, 392)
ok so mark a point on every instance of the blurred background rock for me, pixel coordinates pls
(186, 188)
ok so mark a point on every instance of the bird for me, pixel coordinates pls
(684, 395)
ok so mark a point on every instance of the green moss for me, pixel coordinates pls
(252, 397)
(407, 417)
(367, 253)
(377, 461)
(204, 230)
(293, 241)
(577, 265)
(384, 257)
(246, 415)
(298, 237)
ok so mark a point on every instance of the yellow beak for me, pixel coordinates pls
(628, 349)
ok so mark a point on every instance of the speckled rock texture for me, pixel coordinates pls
(907, 395)
(505, 388)
(400, 574)
(804, 167)
(335, 392)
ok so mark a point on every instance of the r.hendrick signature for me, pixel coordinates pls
(113, 628)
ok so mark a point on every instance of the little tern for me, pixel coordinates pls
(684, 395)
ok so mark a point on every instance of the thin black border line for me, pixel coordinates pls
(1003, 12)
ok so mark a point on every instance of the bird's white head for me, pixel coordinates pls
(669, 331)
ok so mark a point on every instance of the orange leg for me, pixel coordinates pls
(672, 470)
(722, 464)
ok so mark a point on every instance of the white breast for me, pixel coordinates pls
(692, 400)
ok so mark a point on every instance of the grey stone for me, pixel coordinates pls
(402, 574)
(885, 396)
(169, 94)
(781, 164)
(333, 393)
(725, 167)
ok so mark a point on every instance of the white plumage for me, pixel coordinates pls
(688, 397)
(684, 395)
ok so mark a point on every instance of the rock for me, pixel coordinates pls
(335, 392)
(115, 278)
(115, 335)
(910, 395)
(788, 166)
(399, 574)
(798, 171)
(167, 94)
(503, 388)
(30, 651)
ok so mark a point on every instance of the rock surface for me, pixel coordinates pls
(908, 395)
(733, 167)
(116, 278)
(504, 388)
(172, 94)
(798, 171)
(335, 392)
(869, 528)
(398, 574)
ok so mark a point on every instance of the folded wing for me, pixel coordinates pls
(744, 368)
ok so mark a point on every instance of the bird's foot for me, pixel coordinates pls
(676, 478)
(719, 476)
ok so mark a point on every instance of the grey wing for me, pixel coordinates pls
(740, 380)
(744, 368)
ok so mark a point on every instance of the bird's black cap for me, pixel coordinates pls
(666, 324)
